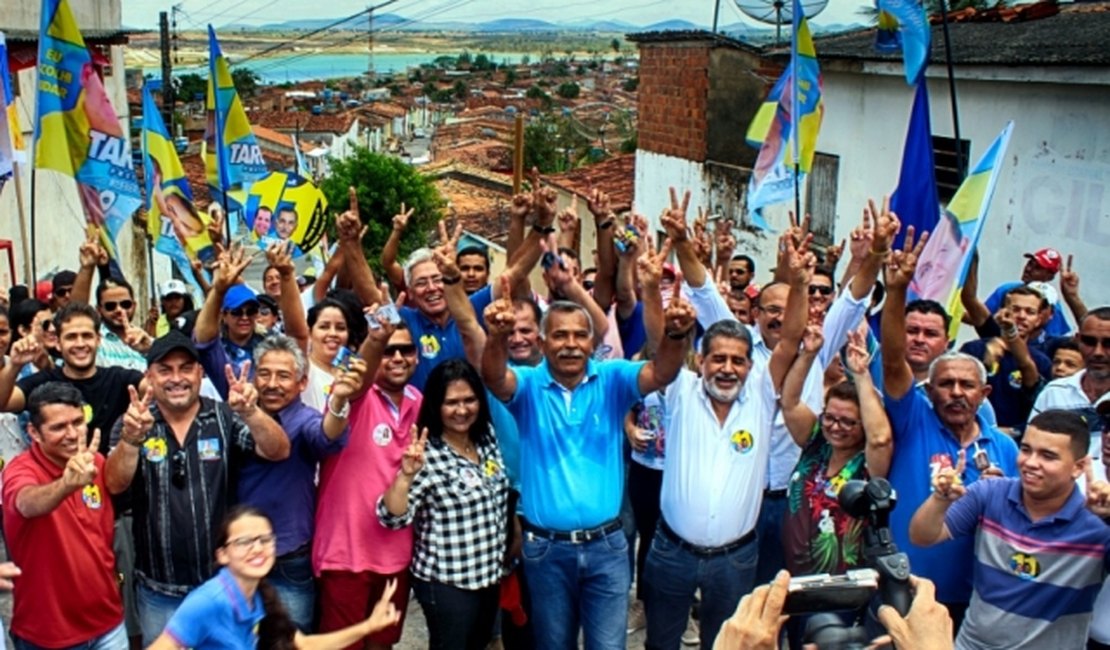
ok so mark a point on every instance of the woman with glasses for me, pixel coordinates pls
(453, 489)
(238, 609)
(850, 440)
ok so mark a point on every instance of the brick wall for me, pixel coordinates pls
(674, 85)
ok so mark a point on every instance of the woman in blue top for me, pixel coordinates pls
(238, 610)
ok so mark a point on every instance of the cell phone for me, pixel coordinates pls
(549, 260)
(626, 237)
(389, 313)
(829, 593)
(981, 460)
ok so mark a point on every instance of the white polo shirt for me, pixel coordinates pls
(1067, 393)
(713, 475)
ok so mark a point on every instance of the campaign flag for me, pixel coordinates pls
(946, 258)
(77, 132)
(176, 228)
(11, 136)
(232, 158)
(786, 126)
(904, 25)
(286, 207)
(915, 200)
(301, 165)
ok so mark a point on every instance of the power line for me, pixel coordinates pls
(279, 46)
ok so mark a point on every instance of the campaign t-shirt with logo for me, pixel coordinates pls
(105, 394)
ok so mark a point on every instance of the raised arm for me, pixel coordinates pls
(605, 220)
(500, 316)
(229, 267)
(799, 263)
(1069, 289)
(348, 383)
(975, 312)
(569, 287)
(626, 269)
(458, 303)
(569, 225)
(123, 460)
(372, 348)
(270, 440)
(393, 270)
(396, 497)
(88, 255)
(799, 418)
(880, 238)
(651, 272)
(79, 471)
(351, 230)
(897, 375)
(336, 262)
(280, 257)
(876, 427)
(673, 221)
(678, 321)
(24, 351)
(927, 527)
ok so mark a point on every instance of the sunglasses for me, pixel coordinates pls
(62, 292)
(264, 311)
(1095, 341)
(406, 350)
(180, 474)
(829, 421)
(244, 543)
(240, 312)
(815, 289)
(112, 305)
(47, 325)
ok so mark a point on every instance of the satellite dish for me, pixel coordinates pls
(779, 12)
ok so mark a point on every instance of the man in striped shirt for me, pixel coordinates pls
(1041, 547)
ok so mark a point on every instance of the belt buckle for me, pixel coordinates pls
(574, 536)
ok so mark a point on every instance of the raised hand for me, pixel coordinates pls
(229, 266)
(568, 217)
(385, 612)
(519, 209)
(1098, 493)
(598, 204)
(80, 470)
(242, 396)
(543, 201)
(862, 235)
(902, 264)
(381, 334)
(812, 339)
(797, 259)
(673, 219)
(350, 380)
(413, 459)
(886, 228)
(833, 253)
(24, 351)
(1069, 280)
(401, 219)
(858, 357)
(280, 256)
(679, 317)
(725, 241)
(89, 253)
(137, 338)
(500, 315)
(948, 482)
(1005, 319)
(348, 224)
(650, 265)
(448, 268)
(137, 419)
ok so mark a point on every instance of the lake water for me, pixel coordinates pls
(305, 65)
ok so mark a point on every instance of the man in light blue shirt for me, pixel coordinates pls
(570, 410)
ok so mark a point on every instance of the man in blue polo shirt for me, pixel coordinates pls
(571, 410)
(1040, 555)
(931, 428)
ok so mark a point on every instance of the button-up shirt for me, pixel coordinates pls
(1067, 393)
(114, 352)
(713, 473)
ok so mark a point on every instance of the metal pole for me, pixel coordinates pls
(167, 71)
(28, 242)
(716, 15)
(34, 254)
(960, 171)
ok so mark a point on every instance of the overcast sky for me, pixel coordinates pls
(144, 13)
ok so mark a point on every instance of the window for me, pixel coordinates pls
(947, 171)
(821, 197)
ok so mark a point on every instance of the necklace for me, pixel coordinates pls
(466, 448)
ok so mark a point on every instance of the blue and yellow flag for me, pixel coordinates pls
(786, 126)
(904, 25)
(943, 265)
(175, 226)
(7, 112)
(915, 200)
(77, 132)
(232, 157)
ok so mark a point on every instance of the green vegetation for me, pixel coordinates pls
(553, 144)
(246, 81)
(568, 90)
(382, 184)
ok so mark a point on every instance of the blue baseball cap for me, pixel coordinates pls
(239, 295)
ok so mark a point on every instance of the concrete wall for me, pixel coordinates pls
(1053, 188)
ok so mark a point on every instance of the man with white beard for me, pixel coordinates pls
(718, 445)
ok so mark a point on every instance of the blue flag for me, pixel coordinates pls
(913, 36)
(915, 201)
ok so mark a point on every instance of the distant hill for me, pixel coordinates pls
(673, 25)
(517, 25)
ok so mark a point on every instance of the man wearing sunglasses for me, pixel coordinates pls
(63, 289)
(1089, 389)
(116, 305)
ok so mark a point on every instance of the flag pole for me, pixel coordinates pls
(34, 258)
(28, 243)
(795, 117)
(960, 170)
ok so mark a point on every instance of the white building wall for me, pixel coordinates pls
(655, 173)
(1053, 189)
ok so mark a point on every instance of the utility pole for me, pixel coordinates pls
(370, 38)
(167, 71)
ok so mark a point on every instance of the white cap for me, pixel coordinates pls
(170, 287)
(1047, 291)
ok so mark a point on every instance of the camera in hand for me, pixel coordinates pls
(888, 576)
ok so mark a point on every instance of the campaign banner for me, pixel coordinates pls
(286, 207)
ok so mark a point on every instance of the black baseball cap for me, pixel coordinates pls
(174, 340)
(64, 279)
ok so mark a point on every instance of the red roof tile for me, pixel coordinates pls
(615, 176)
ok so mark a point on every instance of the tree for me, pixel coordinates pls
(630, 85)
(482, 62)
(568, 90)
(553, 144)
(616, 45)
(191, 87)
(510, 76)
(246, 81)
(382, 184)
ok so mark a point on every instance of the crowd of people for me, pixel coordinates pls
(283, 466)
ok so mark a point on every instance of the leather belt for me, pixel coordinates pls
(573, 536)
(704, 551)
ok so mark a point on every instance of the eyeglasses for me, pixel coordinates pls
(239, 312)
(815, 289)
(406, 350)
(424, 283)
(1095, 341)
(112, 305)
(264, 311)
(830, 421)
(245, 543)
(62, 292)
(180, 472)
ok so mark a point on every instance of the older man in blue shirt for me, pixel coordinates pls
(286, 490)
(570, 410)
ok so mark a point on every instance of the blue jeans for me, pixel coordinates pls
(155, 610)
(457, 618)
(771, 556)
(114, 639)
(292, 578)
(673, 574)
(578, 584)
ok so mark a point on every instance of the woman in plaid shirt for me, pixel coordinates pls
(452, 486)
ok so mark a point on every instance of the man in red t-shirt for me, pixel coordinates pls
(58, 523)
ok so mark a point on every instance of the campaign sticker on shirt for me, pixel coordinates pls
(469, 477)
(741, 441)
(208, 449)
(429, 346)
(90, 494)
(1025, 565)
(88, 413)
(1015, 379)
(491, 467)
(154, 450)
(383, 435)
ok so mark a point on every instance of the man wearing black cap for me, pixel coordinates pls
(63, 289)
(181, 453)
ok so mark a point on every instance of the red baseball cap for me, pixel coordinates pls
(1047, 258)
(669, 269)
(44, 290)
